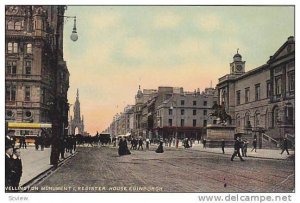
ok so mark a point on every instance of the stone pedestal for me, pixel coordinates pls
(216, 133)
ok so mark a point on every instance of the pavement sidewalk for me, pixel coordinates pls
(35, 162)
(260, 153)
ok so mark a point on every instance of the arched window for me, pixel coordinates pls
(17, 25)
(257, 119)
(29, 48)
(238, 121)
(247, 120)
(10, 25)
(275, 116)
(9, 47)
(289, 114)
(267, 119)
(15, 47)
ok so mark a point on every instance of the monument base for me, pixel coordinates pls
(217, 133)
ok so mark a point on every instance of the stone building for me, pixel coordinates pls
(36, 75)
(76, 125)
(151, 119)
(262, 100)
(141, 111)
(185, 114)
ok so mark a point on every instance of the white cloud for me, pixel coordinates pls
(167, 20)
(208, 22)
(105, 20)
(136, 48)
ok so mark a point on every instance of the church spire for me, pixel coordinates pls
(77, 95)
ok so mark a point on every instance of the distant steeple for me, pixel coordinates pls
(77, 121)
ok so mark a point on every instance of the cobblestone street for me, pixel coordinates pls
(100, 169)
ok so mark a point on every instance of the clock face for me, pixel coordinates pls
(239, 67)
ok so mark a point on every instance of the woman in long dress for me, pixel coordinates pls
(160, 148)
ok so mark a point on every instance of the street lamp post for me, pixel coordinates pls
(175, 121)
(74, 35)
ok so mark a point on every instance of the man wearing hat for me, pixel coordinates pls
(9, 172)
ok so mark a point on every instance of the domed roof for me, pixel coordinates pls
(139, 93)
(237, 55)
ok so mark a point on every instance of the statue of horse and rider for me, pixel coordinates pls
(219, 112)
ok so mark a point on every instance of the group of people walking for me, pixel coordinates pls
(136, 144)
(242, 146)
(67, 144)
(39, 142)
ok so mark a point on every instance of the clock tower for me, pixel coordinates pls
(237, 66)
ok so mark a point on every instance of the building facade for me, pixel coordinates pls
(161, 114)
(185, 114)
(262, 99)
(36, 75)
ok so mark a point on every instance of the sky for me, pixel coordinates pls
(122, 47)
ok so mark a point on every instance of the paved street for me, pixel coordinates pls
(100, 169)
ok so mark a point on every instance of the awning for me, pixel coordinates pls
(127, 135)
(15, 125)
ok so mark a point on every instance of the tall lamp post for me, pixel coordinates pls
(57, 107)
(172, 107)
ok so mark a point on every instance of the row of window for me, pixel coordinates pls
(194, 122)
(182, 103)
(276, 120)
(11, 67)
(13, 48)
(10, 114)
(182, 112)
(10, 93)
(11, 25)
(278, 88)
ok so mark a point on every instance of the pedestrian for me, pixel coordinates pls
(132, 142)
(9, 170)
(74, 142)
(160, 148)
(9, 141)
(170, 142)
(70, 144)
(140, 144)
(254, 144)
(114, 140)
(245, 147)
(204, 143)
(62, 147)
(147, 143)
(42, 141)
(186, 143)
(22, 142)
(237, 148)
(135, 143)
(17, 167)
(285, 146)
(177, 142)
(191, 142)
(36, 142)
(123, 149)
(223, 146)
